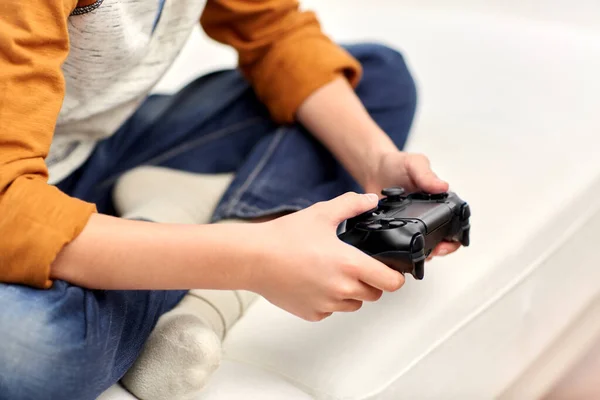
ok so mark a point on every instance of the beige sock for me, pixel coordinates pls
(169, 196)
(177, 359)
(221, 309)
(184, 349)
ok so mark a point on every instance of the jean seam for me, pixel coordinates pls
(244, 213)
(246, 210)
(297, 202)
(193, 143)
(237, 195)
(189, 145)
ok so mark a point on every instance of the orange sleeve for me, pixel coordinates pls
(36, 219)
(282, 50)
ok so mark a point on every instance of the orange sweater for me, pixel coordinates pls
(282, 52)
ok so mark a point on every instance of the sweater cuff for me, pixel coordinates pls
(42, 220)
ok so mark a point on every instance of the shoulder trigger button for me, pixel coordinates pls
(397, 224)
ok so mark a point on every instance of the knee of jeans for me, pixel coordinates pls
(386, 75)
(44, 349)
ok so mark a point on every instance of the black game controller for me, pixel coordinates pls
(403, 230)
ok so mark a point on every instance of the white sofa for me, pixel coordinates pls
(509, 114)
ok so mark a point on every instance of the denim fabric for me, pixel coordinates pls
(73, 343)
(216, 124)
(69, 343)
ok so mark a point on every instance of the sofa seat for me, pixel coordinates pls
(509, 115)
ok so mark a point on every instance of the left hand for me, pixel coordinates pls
(412, 172)
(336, 117)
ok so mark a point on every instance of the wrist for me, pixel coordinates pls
(250, 255)
(266, 258)
(336, 117)
(373, 160)
(225, 255)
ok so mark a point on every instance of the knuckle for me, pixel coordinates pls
(421, 157)
(418, 161)
(346, 198)
(319, 208)
(352, 199)
(350, 267)
(343, 291)
(316, 207)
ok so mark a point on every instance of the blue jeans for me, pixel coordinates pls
(72, 343)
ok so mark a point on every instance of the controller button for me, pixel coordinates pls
(465, 240)
(387, 219)
(439, 196)
(397, 224)
(374, 227)
(393, 192)
(366, 214)
(419, 270)
(418, 244)
(465, 212)
(420, 196)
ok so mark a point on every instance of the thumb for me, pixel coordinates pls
(349, 205)
(419, 170)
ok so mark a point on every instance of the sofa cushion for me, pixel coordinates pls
(509, 116)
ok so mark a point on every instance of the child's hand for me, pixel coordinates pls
(307, 271)
(412, 172)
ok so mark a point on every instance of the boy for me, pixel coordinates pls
(304, 121)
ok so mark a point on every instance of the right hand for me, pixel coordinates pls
(309, 272)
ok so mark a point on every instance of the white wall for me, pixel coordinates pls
(580, 12)
(351, 20)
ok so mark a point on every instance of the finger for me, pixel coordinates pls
(347, 206)
(318, 316)
(324, 315)
(445, 248)
(367, 293)
(378, 275)
(349, 305)
(420, 172)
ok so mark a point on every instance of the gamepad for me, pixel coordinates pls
(403, 230)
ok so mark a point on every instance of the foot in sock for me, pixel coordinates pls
(169, 196)
(177, 360)
(184, 348)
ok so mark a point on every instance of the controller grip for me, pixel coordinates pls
(353, 238)
(404, 266)
(400, 263)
